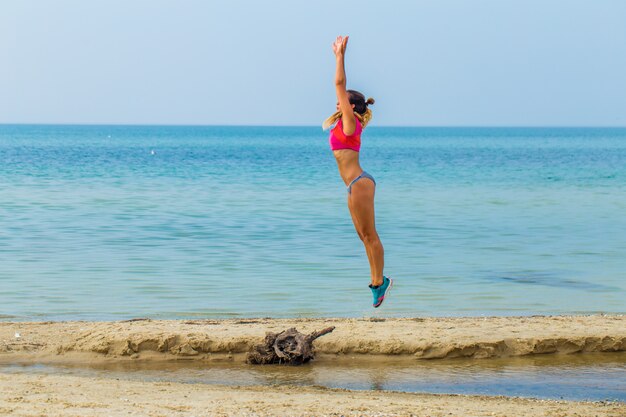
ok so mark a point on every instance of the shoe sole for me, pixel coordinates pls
(386, 292)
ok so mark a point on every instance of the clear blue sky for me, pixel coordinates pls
(438, 62)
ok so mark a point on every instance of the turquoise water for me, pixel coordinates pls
(114, 222)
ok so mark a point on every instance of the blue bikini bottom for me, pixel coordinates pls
(363, 175)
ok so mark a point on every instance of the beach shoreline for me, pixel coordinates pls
(65, 395)
(420, 338)
(207, 342)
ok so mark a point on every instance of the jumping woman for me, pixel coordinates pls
(350, 119)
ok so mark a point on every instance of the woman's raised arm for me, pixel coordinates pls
(347, 113)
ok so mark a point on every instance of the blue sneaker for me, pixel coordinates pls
(381, 291)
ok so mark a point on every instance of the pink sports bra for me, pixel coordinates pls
(339, 140)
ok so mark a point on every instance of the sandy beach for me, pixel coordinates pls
(422, 338)
(151, 341)
(51, 395)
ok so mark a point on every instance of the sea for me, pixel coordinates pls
(187, 222)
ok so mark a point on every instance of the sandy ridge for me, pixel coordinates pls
(427, 338)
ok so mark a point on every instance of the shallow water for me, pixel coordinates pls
(593, 376)
(114, 222)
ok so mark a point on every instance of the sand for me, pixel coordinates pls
(31, 394)
(422, 338)
(56, 395)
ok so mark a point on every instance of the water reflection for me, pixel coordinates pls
(593, 376)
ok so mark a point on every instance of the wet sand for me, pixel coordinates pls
(151, 341)
(54, 395)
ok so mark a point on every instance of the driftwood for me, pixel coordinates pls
(287, 347)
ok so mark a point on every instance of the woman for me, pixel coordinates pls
(351, 118)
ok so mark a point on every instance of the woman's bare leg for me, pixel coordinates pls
(361, 205)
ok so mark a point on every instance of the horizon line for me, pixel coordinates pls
(555, 126)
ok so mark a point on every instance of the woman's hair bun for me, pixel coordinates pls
(370, 101)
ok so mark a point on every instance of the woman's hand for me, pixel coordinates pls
(339, 46)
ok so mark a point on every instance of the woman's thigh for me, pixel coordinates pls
(361, 205)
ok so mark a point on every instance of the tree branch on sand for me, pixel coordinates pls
(287, 347)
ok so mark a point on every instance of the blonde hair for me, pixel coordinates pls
(363, 118)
